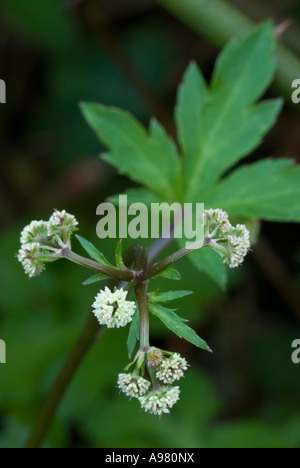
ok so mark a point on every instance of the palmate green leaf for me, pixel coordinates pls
(217, 125)
(176, 324)
(220, 125)
(134, 333)
(190, 115)
(168, 296)
(136, 196)
(148, 158)
(268, 189)
(210, 263)
(93, 252)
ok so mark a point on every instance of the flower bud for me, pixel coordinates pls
(154, 357)
(30, 256)
(62, 225)
(36, 231)
(238, 246)
(216, 223)
(231, 243)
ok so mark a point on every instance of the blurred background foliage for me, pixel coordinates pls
(54, 54)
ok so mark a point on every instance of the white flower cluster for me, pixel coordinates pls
(112, 309)
(133, 385)
(232, 243)
(216, 222)
(41, 242)
(171, 369)
(62, 223)
(31, 258)
(162, 365)
(36, 231)
(161, 401)
(238, 246)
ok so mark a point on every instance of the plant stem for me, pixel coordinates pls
(168, 261)
(155, 382)
(141, 296)
(218, 21)
(140, 290)
(159, 246)
(122, 275)
(40, 428)
(88, 336)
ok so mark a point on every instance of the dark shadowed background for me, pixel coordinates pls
(54, 54)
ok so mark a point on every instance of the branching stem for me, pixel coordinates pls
(122, 275)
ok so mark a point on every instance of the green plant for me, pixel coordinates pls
(217, 127)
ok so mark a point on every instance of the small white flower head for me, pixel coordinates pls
(133, 385)
(159, 402)
(231, 243)
(154, 357)
(216, 223)
(238, 246)
(171, 369)
(36, 231)
(241, 231)
(62, 224)
(112, 309)
(30, 256)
